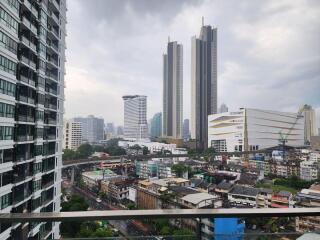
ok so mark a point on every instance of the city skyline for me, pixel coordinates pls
(254, 54)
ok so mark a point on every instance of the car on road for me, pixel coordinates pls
(98, 200)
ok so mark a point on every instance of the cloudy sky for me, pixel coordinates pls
(268, 52)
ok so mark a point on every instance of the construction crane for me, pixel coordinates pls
(284, 137)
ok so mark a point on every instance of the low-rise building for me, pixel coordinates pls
(285, 168)
(92, 179)
(118, 190)
(282, 199)
(308, 198)
(241, 196)
(309, 170)
(264, 198)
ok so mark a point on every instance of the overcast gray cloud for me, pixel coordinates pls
(268, 52)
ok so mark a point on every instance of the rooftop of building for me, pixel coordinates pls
(284, 193)
(315, 186)
(197, 198)
(242, 190)
(164, 182)
(99, 173)
(182, 191)
(224, 185)
(266, 190)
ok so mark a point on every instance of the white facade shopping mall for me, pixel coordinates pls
(32, 69)
(253, 129)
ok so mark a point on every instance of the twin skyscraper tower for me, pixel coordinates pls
(203, 86)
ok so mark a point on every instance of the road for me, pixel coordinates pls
(125, 227)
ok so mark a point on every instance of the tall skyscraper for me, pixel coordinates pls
(310, 122)
(203, 83)
(32, 59)
(156, 125)
(186, 130)
(135, 117)
(72, 134)
(92, 128)
(173, 91)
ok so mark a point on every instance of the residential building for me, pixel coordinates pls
(309, 170)
(310, 122)
(135, 117)
(264, 198)
(92, 179)
(156, 125)
(203, 83)
(172, 91)
(92, 128)
(282, 199)
(146, 169)
(110, 128)
(186, 130)
(284, 168)
(72, 134)
(117, 190)
(32, 69)
(223, 108)
(253, 129)
(308, 198)
(241, 196)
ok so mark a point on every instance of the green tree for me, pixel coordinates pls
(185, 234)
(179, 169)
(85, 150)
(69, 154)
(165, 230)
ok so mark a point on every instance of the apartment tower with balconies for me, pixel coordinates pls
(32, 69)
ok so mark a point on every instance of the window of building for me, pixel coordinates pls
(8, 43)
(8, 20)
(14, 4)
(7, 88)
(6, 110)
(36, 185)
(7, 65)
(39, 115)
(38, 150)
(5, 200)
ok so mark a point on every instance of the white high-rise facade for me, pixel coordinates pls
(92, 128)
(173, 91)
(135, 117)
(310, 122)
(203, 83)
(72, 134)
(32, 70)
(253, 129)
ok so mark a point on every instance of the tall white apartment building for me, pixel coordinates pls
(310, 122)
(135, 117)
(173, 91)
(32, 69)
(309, 170)
(72, 134)
(253, 129)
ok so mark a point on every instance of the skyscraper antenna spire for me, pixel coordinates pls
(202, 21)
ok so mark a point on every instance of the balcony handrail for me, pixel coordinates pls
(156, 213)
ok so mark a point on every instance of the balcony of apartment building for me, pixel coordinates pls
(51, 87)
(23, 152)
(30, 7)
(49, 133)
(26, 76)
(51, 102)
(45, 230)
(23, 208)
(28, 59)
(29, 21)
(47, 180)
(54, 5)
(21, 172)
(53, 32)
(52, 62)
(6, 178)
(281, 199)
(50, 117)
(53, 47)
(48, 164)
(47, 196)
(49, 148)
(53, 16)
(25, 113)
(26, 94)
(24, 133)
(6, 155)
(52, 74)
(28, 41)
(21, 193)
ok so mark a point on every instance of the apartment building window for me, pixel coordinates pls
(6, 200)
(14, 4)
(8, 43)
(39, 115)
(38, 150)
(39, 132)
(41, 82)
(42, 50)
(42, 65)
(7, 88)
(6, 110)
(36, 185)
(7, 65)
(8, 20)
(6, 133)
(43, 17)
(41, 99)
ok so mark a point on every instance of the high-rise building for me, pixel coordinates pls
(135, 117)
(119, 131)
(186, 130)
(110, 128)
(310, 122)
(72, 134)
(203, 83)
(223, 108)
(156, 125)
(92, 128)
(173, 91)
(254, 129)
(32, 60)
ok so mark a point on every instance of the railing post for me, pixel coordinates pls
(198, 228)
(72, 175)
